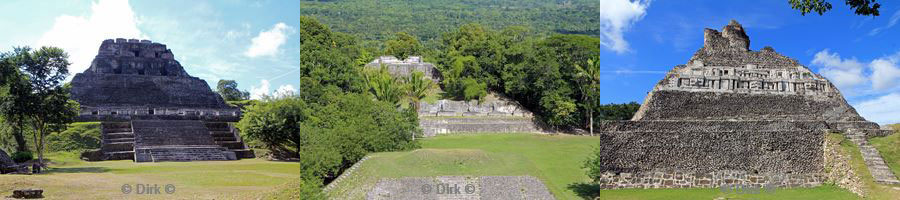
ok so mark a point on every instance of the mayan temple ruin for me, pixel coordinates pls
(151, 109)
(734, 116)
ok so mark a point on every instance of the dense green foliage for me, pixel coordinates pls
(861, 7)
(229, 91)
(343, 112)
(403, 46)
(538, 71)
(76, 137)
(429, 19)
(21, 156)
(617, 111)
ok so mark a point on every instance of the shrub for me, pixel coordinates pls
(22, 156)
(77, 136)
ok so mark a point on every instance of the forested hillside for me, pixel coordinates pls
(427, 19)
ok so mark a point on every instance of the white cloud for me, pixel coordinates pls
(882, 110)
(261, 91)
(885, 74)
(285, 90)
(893, 21)
(80, 36)
(844, 73)
(267, 43)
(617, 16)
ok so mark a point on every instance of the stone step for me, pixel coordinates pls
(218, 126)
(116, 130)
(221, 133)
(118, 135)
(119, 155)
(225, 139)
(874, 162)
(243, 153)
(231, 144)
(116, 124)
(117, 140)
(182, 153)
(117, 146)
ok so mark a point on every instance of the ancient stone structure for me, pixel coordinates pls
(28, 194)
(460, 187)
(152, 109)
(496, 115)
(729, 116)
(7, 165)
(404, 68)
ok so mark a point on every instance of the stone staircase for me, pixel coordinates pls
(227, 136)
(880, 171)
(118, 140)
(175, 140)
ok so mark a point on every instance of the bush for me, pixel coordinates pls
(22, 156)
(77, 136)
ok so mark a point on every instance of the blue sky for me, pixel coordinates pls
(254, 42)
(860, 54)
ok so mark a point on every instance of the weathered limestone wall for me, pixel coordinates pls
(406, 67)
(141, 78)
(719, 179)
(472, 108)
(682, 105)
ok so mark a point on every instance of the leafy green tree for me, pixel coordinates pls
(617, 111)
(43, 102)
(229, 91)
(403, 45)
(862, 7)
(329, 58)
(276, 123)
(13, 93)
(383, 86)
(589, 83)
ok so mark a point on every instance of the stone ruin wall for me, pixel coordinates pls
(675, 154)
(404, 68)
(139, 79)
(729, 116)
(499, 116)
(473, 108)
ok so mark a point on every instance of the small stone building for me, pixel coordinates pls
(151, 109)
(404, 68)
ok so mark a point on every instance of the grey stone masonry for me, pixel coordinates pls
(118, 141)
(874, 162)
(406, 67)
(460, 188)
(731, 115)
(142, 78)
(432, 126)
(175, 140)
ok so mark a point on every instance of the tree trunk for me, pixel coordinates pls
(591, 120)
(20, 138)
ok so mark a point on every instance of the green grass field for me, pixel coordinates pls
(71, 178)
(555, 159)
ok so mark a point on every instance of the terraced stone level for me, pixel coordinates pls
(227, 136)
(118, 140)
(448, 125)
(880, 171)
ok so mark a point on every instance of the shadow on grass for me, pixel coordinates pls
(77, 170)
(585, 190)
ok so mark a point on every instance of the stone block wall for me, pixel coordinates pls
(683, 105)
(472, 108)
(718, 179)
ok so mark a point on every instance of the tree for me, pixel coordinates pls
(229, 91)
(403, 45)
(589, 78)
(382, 85)
(863, 7)
(41, 100)
(13, 93)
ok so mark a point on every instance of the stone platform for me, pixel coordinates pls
(460, 187)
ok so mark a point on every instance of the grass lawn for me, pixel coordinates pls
(71, 178)
(554, 159)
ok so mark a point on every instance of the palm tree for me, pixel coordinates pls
(589, 77)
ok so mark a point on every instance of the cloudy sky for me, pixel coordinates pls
(251, 41)
(641, 40)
